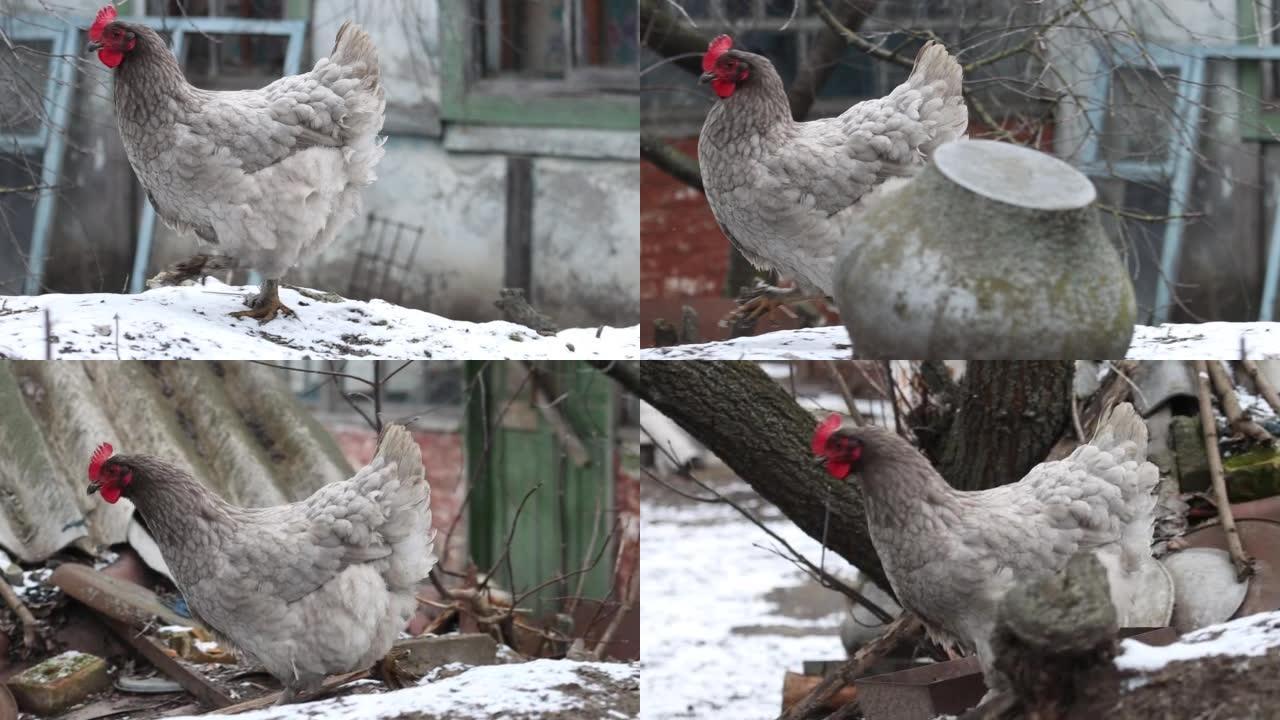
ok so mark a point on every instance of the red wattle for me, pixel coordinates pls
(723, 88)
(109, 57)
(110, 493)
(838, 469)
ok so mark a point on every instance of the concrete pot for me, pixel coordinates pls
(993, 251)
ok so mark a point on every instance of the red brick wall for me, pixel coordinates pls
(683, 253)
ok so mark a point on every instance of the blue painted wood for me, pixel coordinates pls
(58, 111)
(1189, 106)
(295, 30)
(1267, 312)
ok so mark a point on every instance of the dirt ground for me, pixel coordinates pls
(1212, 687)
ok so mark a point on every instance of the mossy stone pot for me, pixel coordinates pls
(993, 251)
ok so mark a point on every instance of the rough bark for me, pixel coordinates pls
(1007, 419)
(1055, 640)
(759, 431)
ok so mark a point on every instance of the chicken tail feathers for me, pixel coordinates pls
(939, 81)
(408, 525)
(935, 66)
(353, 46)
(1123, 435)
(1120, 425)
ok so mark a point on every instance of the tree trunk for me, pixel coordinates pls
(760, 432)
(1007, 416)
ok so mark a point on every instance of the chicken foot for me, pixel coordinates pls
(266, 304)
(759, 301)
(196, 267)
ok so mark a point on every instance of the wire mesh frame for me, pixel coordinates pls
(50, 138)
(371, 275)
(294, 30)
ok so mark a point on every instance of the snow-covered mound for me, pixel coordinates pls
(1192, 341)
(537, 689)
(195, 322)
(1250, 636)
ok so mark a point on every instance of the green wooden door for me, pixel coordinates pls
(558, 461)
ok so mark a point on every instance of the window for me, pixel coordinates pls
(586, 43)
(568, 63)
(1136, 126)
(221, 61)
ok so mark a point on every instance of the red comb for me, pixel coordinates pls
(717, 48)
(106, 16)
(99, 456)
(824, 431)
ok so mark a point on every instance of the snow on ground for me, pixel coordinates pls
(194, 322)
(824, 343)
(1192, 341)
(1249, 636)
(719, 612)
(535, 689)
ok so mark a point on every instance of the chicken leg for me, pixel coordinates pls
(266, 304)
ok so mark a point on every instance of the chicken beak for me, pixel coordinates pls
(92, 47)
(706, 78)
(820, 461)
(93, 488)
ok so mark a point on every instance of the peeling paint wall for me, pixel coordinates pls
(591, 270)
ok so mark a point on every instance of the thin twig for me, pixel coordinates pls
(846, 392)
(904, 627)
(1075, 419)
(1242, 561)
(633, 596)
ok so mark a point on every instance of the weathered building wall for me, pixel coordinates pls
(1223, 250)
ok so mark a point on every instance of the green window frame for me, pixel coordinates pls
(466, 97)
(1256, 122)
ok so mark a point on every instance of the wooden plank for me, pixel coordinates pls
(193, 682)
(116, 599)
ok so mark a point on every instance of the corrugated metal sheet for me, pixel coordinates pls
(235, 426)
